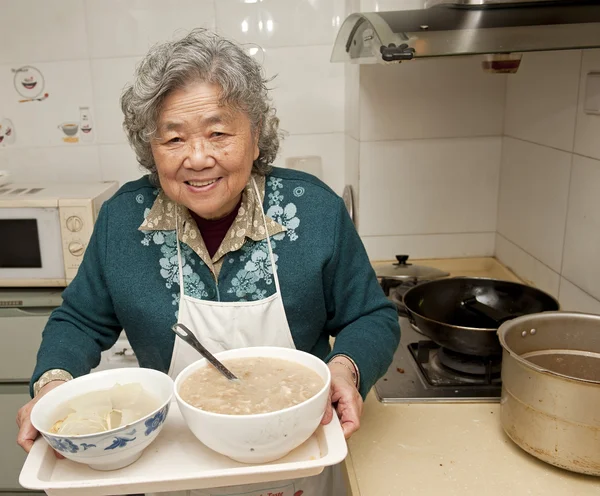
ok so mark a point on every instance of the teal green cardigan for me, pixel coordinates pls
(129, 280)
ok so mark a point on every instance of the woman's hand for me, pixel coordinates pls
(344, 396)
(27, 432)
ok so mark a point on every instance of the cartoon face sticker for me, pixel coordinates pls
(28, 81)
(7, 132)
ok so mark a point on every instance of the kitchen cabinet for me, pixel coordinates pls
(23, 316)
(12, 457)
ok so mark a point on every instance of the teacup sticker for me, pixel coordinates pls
(7, 132)
(69, 130)
(29, 84)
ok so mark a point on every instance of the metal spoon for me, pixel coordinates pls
(184, 333)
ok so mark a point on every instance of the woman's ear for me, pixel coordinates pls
(255, 137)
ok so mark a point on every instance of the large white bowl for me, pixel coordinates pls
(263, 437)
(112, 449)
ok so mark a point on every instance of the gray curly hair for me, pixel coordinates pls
(199, 56)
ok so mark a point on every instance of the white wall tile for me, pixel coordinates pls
(582, 244)
(308, 90)
(437, 98)
(118, 163)
(541, 101)
(390, 5)
(352, 163)
(110, 76)
(68, 85)
(529, 269)
(351, 100)
(63, 164)
(430, 246)
(352, 6)
(124, 28)
(42, 31)
(352, 173)
(573, 299)
(328, 147)
(588, 125)
(276, 23)
(429, 186)
(534, 187)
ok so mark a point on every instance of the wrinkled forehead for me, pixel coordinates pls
(198, 104)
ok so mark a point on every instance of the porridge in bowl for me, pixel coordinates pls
(265, 385)
(260, 437)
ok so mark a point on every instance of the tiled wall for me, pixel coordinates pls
(549, 205)
(447, 161)
(423, 143)
(87, 50)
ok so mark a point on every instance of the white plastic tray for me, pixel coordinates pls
(175, 461)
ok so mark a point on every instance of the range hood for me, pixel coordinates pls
(468, 27)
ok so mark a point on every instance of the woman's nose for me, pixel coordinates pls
(200, 155)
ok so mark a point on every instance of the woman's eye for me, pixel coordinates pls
(175, 140)
(217, 134)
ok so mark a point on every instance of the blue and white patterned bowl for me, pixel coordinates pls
(112, 449)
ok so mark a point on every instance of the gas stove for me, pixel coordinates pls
(422, 371)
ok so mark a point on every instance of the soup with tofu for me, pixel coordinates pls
(265, 385)
(100, 411)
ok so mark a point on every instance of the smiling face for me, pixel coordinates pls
(28, 81)
(203, 151)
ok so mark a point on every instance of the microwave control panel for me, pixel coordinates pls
(76, 225)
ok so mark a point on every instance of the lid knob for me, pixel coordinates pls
(402, 259)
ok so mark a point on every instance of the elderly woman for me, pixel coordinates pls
(216, 238)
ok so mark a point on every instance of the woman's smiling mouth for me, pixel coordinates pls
(202, 185)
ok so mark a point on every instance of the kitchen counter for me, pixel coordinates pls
(450, 448)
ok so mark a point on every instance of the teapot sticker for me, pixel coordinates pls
(86, 125)
(7, 132)
(29, 84)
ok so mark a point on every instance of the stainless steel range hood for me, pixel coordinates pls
(468, 27)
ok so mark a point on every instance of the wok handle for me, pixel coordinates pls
(491, 313)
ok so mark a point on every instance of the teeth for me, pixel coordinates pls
(199, 184)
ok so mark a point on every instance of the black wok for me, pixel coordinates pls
(464, 313)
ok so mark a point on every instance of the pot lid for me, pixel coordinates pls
(402, 270)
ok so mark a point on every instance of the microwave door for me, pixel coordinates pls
(31, 250)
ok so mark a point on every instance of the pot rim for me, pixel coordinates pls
(485, 329)
(506, 326)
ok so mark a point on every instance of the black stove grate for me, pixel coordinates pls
(443, 368)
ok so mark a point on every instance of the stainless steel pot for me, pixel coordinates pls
(550, 402)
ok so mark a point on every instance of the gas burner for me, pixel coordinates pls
(468, 364)
(420, 373)
(443, 367)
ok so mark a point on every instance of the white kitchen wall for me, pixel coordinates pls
(549, 207)
(86, 52)
(428, 135)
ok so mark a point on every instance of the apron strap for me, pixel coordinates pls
(262, 211)
(181, 294)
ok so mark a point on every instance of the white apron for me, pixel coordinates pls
(221, 326)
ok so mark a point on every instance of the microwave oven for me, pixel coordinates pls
(45, 229)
